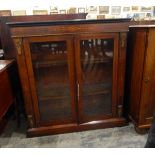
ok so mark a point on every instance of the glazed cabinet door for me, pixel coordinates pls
(148, 83)
(50, 64)
(96, 64)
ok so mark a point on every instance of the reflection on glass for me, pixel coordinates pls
(50, 68)
(97, 64)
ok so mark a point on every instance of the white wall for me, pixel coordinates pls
(30, 5)
(44, 4)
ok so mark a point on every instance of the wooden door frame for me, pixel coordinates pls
(71, 74)
(79, 37)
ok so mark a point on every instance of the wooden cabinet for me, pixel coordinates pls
(72, 74)
(7, 96)
(142, 75)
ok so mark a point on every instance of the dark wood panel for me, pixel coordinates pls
(64, 29)
(148, 83)
(137, 52)
(6, 96)
(8, 89)
(140, 86)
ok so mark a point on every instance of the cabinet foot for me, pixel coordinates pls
(141, 131)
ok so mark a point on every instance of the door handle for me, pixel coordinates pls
(78, 91)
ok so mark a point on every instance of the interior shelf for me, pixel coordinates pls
(42, 64)
(53, 97)
(50, 91)
(45, 63)
(99, 60)
(98, 93)
(96, 88)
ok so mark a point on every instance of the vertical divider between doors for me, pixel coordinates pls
(72, 76)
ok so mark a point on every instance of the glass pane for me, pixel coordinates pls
(50, 68)
(97, 68)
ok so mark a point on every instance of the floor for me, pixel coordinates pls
(118, 137)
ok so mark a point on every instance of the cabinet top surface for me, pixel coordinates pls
(68, 22)
(29, 29)
(4, 64)
(142, 26)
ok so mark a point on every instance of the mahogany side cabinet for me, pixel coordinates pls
(141, 85)
(72, 73)
(7, 97)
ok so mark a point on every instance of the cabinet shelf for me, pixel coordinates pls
(53, 97)
(98, 93)
(91, 61)
(41, 64)
(90, 87)
(42, 98)
(62, 92)
(55, 92)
